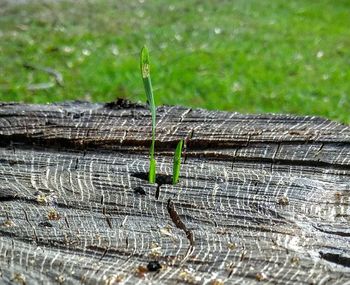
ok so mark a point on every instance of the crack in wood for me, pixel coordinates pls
(334, 232)
(66, 221)
(178, 222)
(319, 150)
(337, 258)
(104, 254)
(26, 217)
(197, 148)
(109, 222)
(76, 163)
(157, 191)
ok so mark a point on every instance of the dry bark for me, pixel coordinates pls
(261, 198)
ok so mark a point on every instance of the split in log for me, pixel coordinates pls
(261, 198)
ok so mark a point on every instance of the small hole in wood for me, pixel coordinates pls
(153, 266)
(160, 178)
(139, 191)
(45, 224)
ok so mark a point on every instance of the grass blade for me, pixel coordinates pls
(152, 171)
(146, 78)
(177, 162)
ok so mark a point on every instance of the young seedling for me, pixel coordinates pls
(146, 78)
(177, 162)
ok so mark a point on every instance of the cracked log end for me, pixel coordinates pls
(261, 198)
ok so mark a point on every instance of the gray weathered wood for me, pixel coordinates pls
(261, 198)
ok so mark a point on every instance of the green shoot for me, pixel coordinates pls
(177, 162)
(146, 78)
(152, 171)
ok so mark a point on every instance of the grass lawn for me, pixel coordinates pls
(238, 55)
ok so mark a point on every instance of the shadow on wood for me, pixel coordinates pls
(261, 198)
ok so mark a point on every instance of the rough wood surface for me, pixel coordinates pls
(261, 198)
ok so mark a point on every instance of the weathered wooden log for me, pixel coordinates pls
(261, 198)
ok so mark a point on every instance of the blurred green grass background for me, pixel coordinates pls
(239, 55)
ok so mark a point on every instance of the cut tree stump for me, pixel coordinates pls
(261, 198)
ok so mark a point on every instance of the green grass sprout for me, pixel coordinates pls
(177, 162)
(146, 78)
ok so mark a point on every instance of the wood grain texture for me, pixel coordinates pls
(261, 198)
